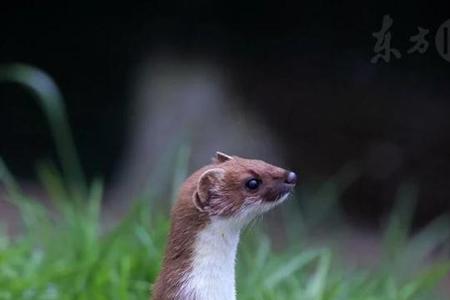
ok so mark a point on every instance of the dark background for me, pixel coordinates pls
(304, 68)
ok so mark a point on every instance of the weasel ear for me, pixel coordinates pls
(221, 157)
(207, 186)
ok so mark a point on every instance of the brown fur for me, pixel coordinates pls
(224, 196)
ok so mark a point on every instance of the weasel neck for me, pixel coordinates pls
(212, 275)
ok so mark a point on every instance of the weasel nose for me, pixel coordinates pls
(291, 178)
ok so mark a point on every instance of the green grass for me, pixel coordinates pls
(69, 254)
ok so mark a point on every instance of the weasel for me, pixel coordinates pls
(213, 205)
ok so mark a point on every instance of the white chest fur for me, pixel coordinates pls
(212, 276)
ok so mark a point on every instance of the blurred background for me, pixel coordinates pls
(293, 85)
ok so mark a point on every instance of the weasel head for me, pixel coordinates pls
(235, 187)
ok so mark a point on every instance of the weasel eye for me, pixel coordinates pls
(253, 184)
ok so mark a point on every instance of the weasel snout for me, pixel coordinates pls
(289, 183)
(291, 178)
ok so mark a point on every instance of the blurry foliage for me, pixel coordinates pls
(68, 255)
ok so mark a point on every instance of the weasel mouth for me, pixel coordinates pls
(282, 192)
(287, 188)
(283, 195)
